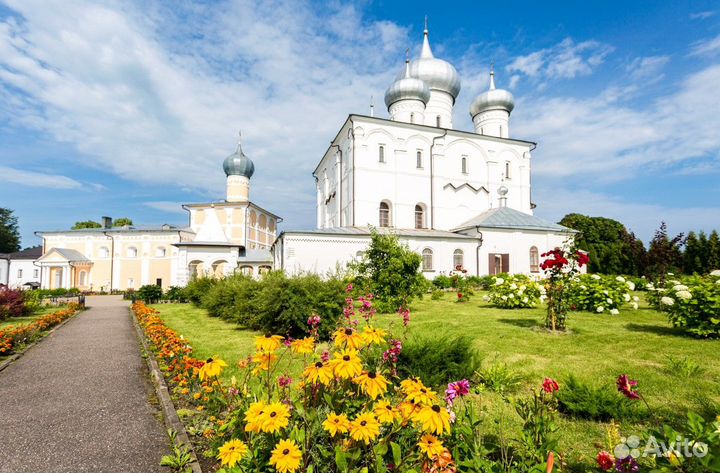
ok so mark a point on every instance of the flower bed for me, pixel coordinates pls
(601, 293)
(515, 292)
(13, 336)
(349, 411)
(691, 302)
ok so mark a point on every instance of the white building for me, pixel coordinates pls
(459, 198)
(18, 269)
(222, 237)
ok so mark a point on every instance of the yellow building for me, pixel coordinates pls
(221, 238)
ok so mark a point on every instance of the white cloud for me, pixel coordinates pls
(166, 206)
(702, 15)
(610, 139)
(143, 98)
(706, 47)
(647, 67)
(37, 179)
(565, 60)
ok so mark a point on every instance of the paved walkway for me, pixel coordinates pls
(79, 401)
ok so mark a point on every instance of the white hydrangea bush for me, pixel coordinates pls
(515, 292)
(601, 294)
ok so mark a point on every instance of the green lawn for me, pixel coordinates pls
(29, 318)
(597, 349)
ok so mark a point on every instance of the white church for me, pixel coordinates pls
(458, 198)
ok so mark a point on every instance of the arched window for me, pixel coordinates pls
(437, 121)
(507, 170)
(264, 269)
(104, 252)
(427, 259)
(384, 214)
(246, 270)
(195, 268)
(419, 216)
(534, 260)
(463, 165)
(132, 252)
(381, 153)
(458, 259)
(419, 162)
(359, 254)
(81, 279)
(160, 252)
(263, 222)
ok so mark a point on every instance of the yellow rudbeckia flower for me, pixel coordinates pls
(434, 419)
(268, 343)
(231, 452)
(349, 338)
(336, 424)
(385, 412)
(286, 456)
(422, 395)
(319, 372)
(430, 445)
(212, 367)
(264, 361)
(303, 346)
(346, 364)
(253, 416)
(372, 384)
(374, 335)
(365, 428)
(275, 417)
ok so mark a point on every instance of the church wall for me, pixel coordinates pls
(296, 253)
(517, 244)
(457, 196)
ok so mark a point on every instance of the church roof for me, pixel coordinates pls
(511, 219)
(72, 256)
(364, 231)
(28, 253)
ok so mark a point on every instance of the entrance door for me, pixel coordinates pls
(158, 282)
(58, 278)
(498, 263)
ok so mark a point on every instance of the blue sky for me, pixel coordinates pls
(128, 108)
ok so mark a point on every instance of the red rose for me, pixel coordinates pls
(550, 386)
(605, 461)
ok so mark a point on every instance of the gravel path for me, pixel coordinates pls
(80, 400)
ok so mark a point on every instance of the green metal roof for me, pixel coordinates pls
(511, 219)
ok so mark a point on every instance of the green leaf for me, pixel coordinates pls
(396, 452)
(340, 459)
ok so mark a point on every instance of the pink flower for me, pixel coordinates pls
(284, 381)
(325, 356)
(314, 320)
(405, 314)
(550, 386)
(457, 389)
(627, 387)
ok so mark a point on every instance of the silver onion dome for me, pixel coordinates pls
(492, 99)
(407, 88)
(237, 164)
(436, 73)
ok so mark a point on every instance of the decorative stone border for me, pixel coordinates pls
(172, 421)
(19, 354)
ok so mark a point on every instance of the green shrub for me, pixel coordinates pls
(436, 295)
(481, 282)
(600, 293)
(439, 360)
(59, 292)
(197, 288)
(581, 400)
(692, 303)
(501, 378)
(233, 298)
(149, 293)
(700, 432)
(390, 271)
(175, 294)
(277, 303)
(442, 282)
(514, 292)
